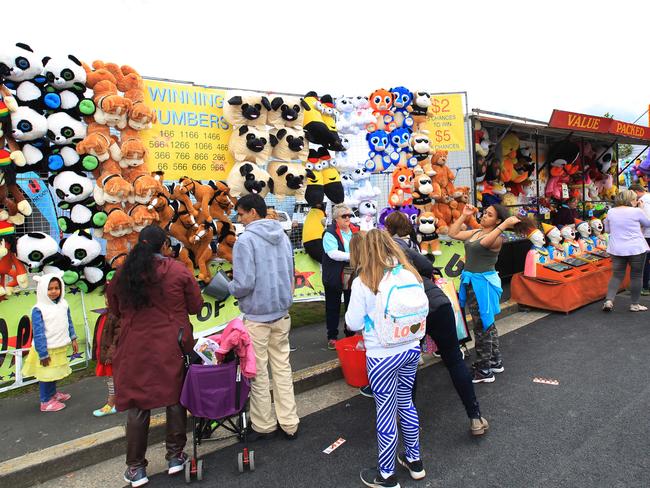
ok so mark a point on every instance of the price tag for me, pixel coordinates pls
(446, 126)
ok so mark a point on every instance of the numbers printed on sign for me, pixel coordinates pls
(162, 155)
(213, 136)
(167, 133)
(440, 105)
(180, 145)
(443, 135)
(203, 145)
(156, 144)
(190, 134)
(182, 155)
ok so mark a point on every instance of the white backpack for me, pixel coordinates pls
(401, 308)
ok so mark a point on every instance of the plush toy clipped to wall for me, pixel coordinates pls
(29, 129)
(312, 232)
(381, 102)
(422, 150)
(332, 185)
(402, 100)
(65, 132)
(286, 111)
(315, 189)
(12, 272)
(14, 207)
(289, 145)
(250, 144)
(401, 193)
(421, 108)
(116, 232)
(23, 73)
(75, 193)
(129, 81)
(362, 115)
(400, 148)
(561, 157)
(320, 128)
(99, 144)
(247, 108)
(68, 78)
(111, 108)
(38, 251)
(246, 177)
(444, 175)
(288, 179)
(345, 121)
(87, 270)
(378, 156)
(462, 199)
(422, 191)
(427, 235)
(509, 146)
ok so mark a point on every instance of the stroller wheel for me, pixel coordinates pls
(240, 461)
(199, 469)
(188, 474)
(251, 460)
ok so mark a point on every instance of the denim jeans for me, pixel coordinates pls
(47, 389)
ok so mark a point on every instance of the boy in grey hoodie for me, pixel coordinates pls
(263, 284)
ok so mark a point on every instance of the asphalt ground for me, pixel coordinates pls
(591, 430)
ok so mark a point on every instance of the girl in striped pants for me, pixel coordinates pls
(391, 370)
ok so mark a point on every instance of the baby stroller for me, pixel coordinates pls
(216, 396)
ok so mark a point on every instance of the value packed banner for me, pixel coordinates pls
(16, 328)
(191, 135)
(447, 124)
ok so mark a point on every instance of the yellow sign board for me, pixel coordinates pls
(447, 125)
(191, 135)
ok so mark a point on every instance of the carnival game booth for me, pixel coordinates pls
(95, 152)
(564, 173)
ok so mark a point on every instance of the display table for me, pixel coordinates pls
(569, 292)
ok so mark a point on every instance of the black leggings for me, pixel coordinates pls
(441, 326)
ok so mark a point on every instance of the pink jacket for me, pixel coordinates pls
(235, 336)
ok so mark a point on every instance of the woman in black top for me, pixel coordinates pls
(441, 325)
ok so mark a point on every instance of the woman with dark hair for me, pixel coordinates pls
(441, 324)
(152, 296)
(480, 285)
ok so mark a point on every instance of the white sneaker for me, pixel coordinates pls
(636, 307)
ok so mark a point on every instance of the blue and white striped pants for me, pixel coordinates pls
(391, 379)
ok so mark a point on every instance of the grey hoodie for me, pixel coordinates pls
(263, 271)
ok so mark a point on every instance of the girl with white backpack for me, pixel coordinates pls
(389, 305)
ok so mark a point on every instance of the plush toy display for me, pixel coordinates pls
(410, 211)
(111, 188)
(400, 150)
(427, 235)
(129, 81)
(402, 100)
(68, 78)
(13, 205)
(246, 108)
(12, 272)
(345, 121)
(381, 102)
(111, 108)
(100, 144)
(245, 178)
(132, 149)
(145, 186)
(74, 191)
(289, 145)
(462, 199)
(286, 111)
(142, 216)
(421, 108)
(161, 204)
(64, 132)
(116, 231)
(312, 232)
(444, 175)
(320, 130)
(250, 144)
(362, 114)
(422, 150)
(561, 158)
(401, 192)
(509, 146)
(87, 269)
(378, 157)
(29, 129)
(367, 210)
(422, 190)
(332, 185)
(288, 179)
(40, 252)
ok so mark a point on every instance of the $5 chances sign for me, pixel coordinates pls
(446, 126)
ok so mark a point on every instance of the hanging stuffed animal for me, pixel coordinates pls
(400, 150)
(75, 193)
(401, 192)
(286, 111)
(422, 149)
(367, 209)
(344, 123)
(312, 232)
(10, 153)
(203, 194)
(289, 145)
(421, 108)
(145, 186)
(402, 100)
(68, 78)
(40, 252)
(462, 199)
(250, 144)
(319, 129)
(132, 149)
(161, 205)
(246, 177)
(100, 144)
(116, 231)
(332, 185)
(315, 189)
(378, 157)
(12, 271)
(129, 81)
(111, 108)
(422, 190)
(23, 73)
(381, 102)
(427, 235)
(29, 129)
(14, 207)
(87, 270)
(362, 115)
(288, 179)
(111, 188)
(444, 175)
(246, 108)
(561, 157)
(509, 146)
(65, 132)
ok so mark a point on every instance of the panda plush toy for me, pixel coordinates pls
(87, 270)
(23, 72)
(29, 128)
(65, 132)
(68, 78)
(75, 193)
(40, 252)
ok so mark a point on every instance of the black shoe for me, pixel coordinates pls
(497, 367)
(136, 476)
(253, 435)
(366, 391)
(177, 464)
(291, 437)
(371, 477)
(415, 468)
(482, 376)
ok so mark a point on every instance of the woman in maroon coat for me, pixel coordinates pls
(152, 296)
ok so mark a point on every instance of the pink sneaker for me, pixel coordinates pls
(52, 406)
(61, 397)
